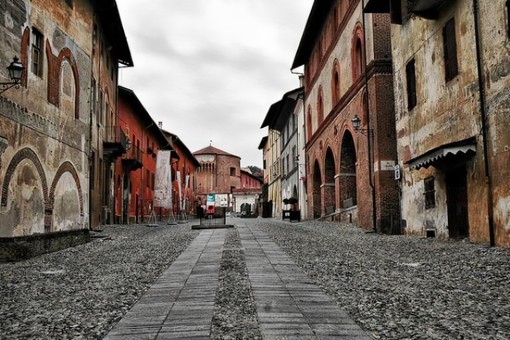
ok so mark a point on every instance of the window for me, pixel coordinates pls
(508, 17)
(152, 181)
(37, 53)
(309, 123)
(358, 67)
(430, 193)
(411, 85)
(265, 164)
(232, 171)
(294, 160)
(320, 107)
(94, 96)
(147, 178)
(335, 83)
(450, 50)
(100, 111)
(92, 169)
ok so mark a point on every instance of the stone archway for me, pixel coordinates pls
(348, 195)
(329, 182)
(316, 190)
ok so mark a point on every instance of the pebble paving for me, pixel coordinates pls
(288, 304)
(258, 281)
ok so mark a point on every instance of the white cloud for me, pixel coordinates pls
(210, 69)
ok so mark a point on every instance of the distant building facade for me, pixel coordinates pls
(219, 173)
(282, 121)
(271, 150)
(246, 197)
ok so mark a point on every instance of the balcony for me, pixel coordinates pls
(114, 142)
(132, 159)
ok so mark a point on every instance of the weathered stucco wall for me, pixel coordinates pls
(44, 124)
(495, 33)
(451, 111)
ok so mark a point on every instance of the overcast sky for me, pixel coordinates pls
(210, 69)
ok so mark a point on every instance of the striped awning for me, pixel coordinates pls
(442, 156)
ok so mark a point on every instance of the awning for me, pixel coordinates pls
(443, 156)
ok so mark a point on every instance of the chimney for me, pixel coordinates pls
(301, 80)
(160, 125)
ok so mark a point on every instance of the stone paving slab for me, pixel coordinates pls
(289, 304)
(180, 304)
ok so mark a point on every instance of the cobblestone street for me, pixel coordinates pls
(393, 287)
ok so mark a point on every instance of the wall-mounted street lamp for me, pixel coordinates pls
(15, 72)
(356, 124)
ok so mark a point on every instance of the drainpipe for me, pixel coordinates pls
(370, 131)
(483, 117)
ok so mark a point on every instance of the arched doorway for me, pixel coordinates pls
(316, 194)
(329, 182)
(348, 172)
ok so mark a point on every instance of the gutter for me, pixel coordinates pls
(483, 117)
(370, 131)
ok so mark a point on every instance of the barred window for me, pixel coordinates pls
(430, 193)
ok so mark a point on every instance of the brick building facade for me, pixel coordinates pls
(348, 75)
(135, 170)
(219, 173)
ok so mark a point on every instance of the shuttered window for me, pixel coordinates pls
(411, 85)
(450, 50)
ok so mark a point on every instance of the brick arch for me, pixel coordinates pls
(25, 153)
(329, 180)
(67, 55)
(54, 70)
(335, 82)
(65, 167)
(348, 170)
(357, 53)
(316, 190)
